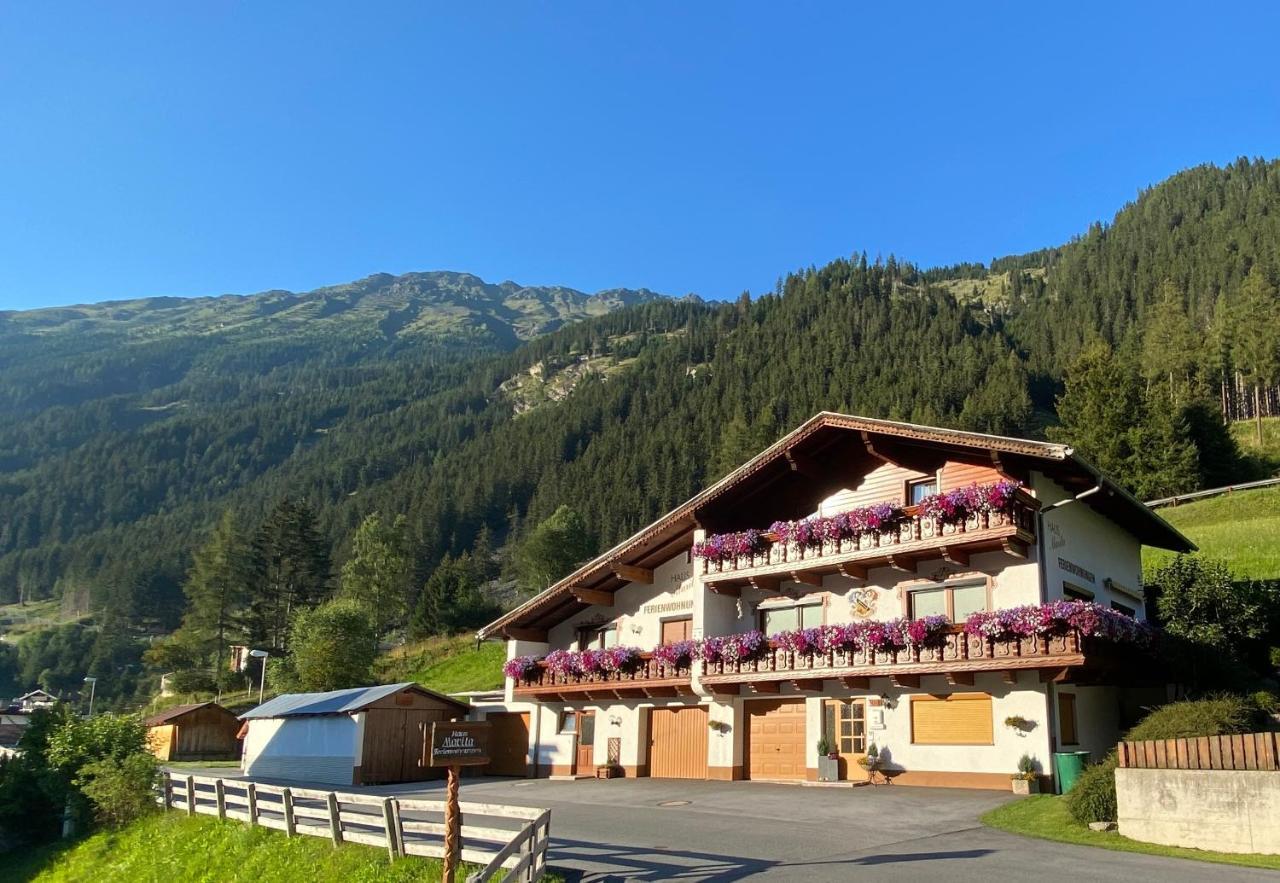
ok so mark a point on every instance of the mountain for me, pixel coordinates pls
(130, 427)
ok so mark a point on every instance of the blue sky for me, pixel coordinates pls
(183, 149)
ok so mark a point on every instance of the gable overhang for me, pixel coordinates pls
(789, 469)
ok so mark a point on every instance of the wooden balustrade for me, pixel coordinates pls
(650, 676)
(915, 534)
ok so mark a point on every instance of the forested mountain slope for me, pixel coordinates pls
(133, 432)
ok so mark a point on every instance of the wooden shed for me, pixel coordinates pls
(361, 736)
(204, 731)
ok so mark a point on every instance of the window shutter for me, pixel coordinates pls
(958, 719)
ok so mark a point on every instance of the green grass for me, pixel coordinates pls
(1243, 528)
(170, 846)
(446, 665)
(1046, 817)
(20, 620)
(1267, 455)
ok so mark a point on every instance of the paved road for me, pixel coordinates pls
(651, 829)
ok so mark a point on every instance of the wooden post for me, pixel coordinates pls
(335, 819)
(286, 799)
(395, 814)
(191, 795)
(251, 791)
(452, 827)
(220, 794)
(389, 821)
(168, 790)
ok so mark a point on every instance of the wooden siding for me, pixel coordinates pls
(958, 719)
(395, 744)
(888, 483)
(678, 742)
(775, 739)
(1240, 751)
(508, 743)
(957, 473)
(207, 733)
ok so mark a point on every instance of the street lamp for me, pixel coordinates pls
(261, 654)
(93, 686)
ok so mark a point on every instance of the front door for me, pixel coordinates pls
(844, 721)
(585, 760)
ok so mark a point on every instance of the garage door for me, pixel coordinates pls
(678, 743)
(508, 744)
(775, 739)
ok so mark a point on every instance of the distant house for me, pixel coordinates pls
(360, 736)
(36, 699)
(12, 726)
(203, 731)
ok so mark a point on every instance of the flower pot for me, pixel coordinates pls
(1026, 786)
(828, 769)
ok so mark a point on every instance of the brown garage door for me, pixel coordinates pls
(678, 743)
(508, 744)
(775, 739)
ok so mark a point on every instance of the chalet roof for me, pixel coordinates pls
(338, 701)
(654, 544)
(177, 711)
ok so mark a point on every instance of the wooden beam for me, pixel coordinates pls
(631, 573)
(855, 683)
(725, 589)
(519, 634)
(995, 461)
(871, 449)
(956, 678)
(766, 583)
(723, 689)
(592, 596)
(1014, 546)
(808, 684)
(807, 577)
(912, 681)
(958, 557)
(1009, 676)
(853, 571)
(1054, 675)
(763, 686)
(802, 465)
(904, 563)
(659, 691)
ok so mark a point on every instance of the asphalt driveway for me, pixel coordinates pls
(654, 829)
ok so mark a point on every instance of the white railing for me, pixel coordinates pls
(510, 842)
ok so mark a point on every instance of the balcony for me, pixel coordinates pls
(651, 677)
(915, 538)
(958, 656)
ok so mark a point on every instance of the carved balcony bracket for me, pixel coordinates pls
(592, 596)
(631, 573)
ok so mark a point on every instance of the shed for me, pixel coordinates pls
(203, 731)
(361, 736)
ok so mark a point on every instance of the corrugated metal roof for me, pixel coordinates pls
(335, 701)
(177, 711)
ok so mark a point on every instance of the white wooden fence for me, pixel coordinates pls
(509, 842)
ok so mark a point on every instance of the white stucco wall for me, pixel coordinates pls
(1097, 719)
(319, 748)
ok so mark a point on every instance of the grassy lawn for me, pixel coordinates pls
(1046, 817)
(446, 665)
(168, 847)
(1243, 528)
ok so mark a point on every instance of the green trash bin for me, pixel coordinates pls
(1067, 767)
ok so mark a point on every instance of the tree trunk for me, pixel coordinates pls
(1257, 411)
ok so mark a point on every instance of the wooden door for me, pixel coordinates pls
(775, 739)
(584, 762)
(508, 744)
(844, 723)
(678, 742)
(677, 630)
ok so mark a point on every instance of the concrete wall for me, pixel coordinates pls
(1223, 810)
(310, 749)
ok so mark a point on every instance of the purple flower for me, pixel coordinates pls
(564, 662)
(678, 654)
(520, 667)
(727, 546)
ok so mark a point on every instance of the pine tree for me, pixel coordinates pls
(376, 574)
(216, 589)
(1257, 341)
(293, 568)
(553, 549)
(1170, 349)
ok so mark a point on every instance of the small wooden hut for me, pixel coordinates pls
(203, 731)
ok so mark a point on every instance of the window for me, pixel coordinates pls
(1123, 608)
(598, 637)
(955, 602)
(1075, 593)
(918, 490)
(1067, 718)
(677, 629)
(958, 719)
(568, 723)
(783, 619)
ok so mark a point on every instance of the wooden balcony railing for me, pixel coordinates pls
(957, 655)
(916, 536)
(652, 677)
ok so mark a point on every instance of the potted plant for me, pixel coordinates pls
(828, 762)
(870, 762)
(1027, 779)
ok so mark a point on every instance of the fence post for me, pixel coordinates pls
(395, 814)
(252, 792)
(335, 819)
(191, 795)
(168, 790)
(286, 798)
(389, 821)
(220, 794)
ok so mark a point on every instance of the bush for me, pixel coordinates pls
(1093, 797)
(121, 790)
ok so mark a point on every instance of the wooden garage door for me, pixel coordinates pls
(775, 739)
(678, 743)
(508, 744)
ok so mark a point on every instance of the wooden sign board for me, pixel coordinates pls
(459, 743)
